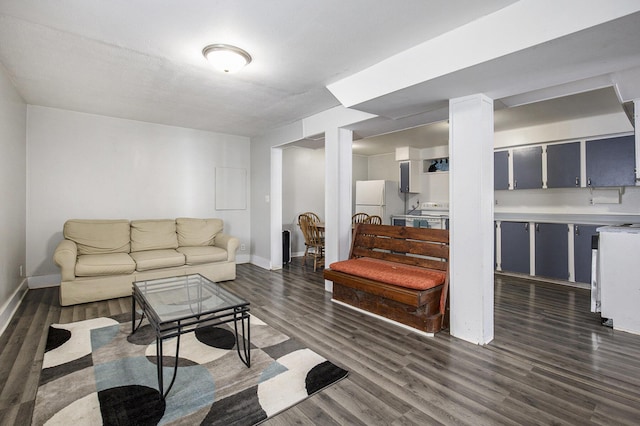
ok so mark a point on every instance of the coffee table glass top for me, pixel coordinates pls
(187, 296)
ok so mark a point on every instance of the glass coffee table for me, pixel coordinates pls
(178, 305)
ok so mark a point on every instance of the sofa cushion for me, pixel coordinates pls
(154, 259)
(394, 273)
(197, 232)
(98, 236)
(90, 265)
(197, 255)
(153, 235)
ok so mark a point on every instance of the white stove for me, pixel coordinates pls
(432, 215)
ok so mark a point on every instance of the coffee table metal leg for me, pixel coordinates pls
(159, 366)
(135, 327)
(160, 362)
(245, 353)
(133, 314)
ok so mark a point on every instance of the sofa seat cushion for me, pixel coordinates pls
(399, 274)
(90, 265)
(203, 254)
(197, 232)
(155, 259)
(98, 236)
(153, 235)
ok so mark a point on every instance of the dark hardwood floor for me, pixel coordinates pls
(551, 361)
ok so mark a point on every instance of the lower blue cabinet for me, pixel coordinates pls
(552, 250)
(514, 242)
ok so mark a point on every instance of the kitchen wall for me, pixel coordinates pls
(435, 186)
(566, 200)
(302, 189)
(13, 154)
(90, 166)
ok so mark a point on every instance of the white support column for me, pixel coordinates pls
(338, 172)
(275, 200)
(636, 123)
(471, 218)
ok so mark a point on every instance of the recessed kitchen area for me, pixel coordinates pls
(563, 168)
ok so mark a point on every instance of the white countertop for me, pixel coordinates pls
(631, 229)
(596, 219)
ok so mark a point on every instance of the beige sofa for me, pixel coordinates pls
(99, 259)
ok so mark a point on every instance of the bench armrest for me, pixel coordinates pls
(65, 257)
(229, 243)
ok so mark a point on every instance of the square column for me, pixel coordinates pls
(337, 202)
(471, 226)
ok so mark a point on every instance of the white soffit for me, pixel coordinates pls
(516, 28)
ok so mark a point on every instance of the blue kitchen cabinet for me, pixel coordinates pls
(527, 168)
(514, 242)
(563, 165)
(582, 235)
(552, 250)
(501, 170)
(611, 161)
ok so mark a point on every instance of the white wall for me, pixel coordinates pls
(384, 167)
(13, 119)
(302, 189)
(89, 166)
(360, 171)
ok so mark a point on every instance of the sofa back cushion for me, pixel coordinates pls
(153, 235)
(197, 232)
(98, 236)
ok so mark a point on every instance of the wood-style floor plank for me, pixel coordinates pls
(551, 361)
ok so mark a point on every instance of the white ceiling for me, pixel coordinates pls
(142, 60)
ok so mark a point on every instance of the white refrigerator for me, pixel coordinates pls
(379, 197)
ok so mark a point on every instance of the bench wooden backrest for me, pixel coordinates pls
(425, 247)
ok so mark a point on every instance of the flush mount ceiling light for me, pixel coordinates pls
(226, 58)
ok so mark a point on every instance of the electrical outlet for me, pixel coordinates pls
(242, 247)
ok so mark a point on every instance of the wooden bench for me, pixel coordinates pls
(396, 272)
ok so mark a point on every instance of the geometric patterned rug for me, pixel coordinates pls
(94, 372)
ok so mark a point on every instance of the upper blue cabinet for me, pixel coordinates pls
(611, 162)
(527, 168)
(501, 170)
(563, 165)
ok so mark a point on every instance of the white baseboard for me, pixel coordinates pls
(43, 281)
(9, 308)
(243, 258)
(261, 262)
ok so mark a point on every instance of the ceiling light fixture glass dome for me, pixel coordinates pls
(226, 58)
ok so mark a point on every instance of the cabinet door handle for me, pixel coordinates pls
(577, 230)
(537, 227)
(526, 227)
(577, 181)
(588, 181)
(515, 184)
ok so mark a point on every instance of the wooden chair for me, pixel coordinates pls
(313, 216)
(314, 240)
(375, 220)
(359, 218)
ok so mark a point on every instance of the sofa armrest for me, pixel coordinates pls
(65, 257)
(229, 243)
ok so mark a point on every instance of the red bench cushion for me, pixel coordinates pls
(390, 272)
